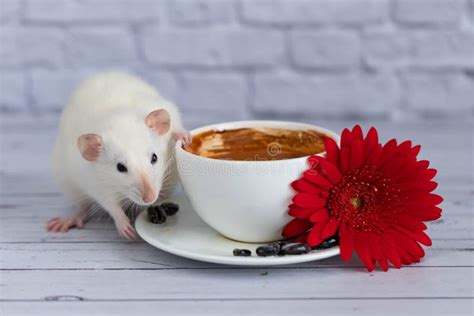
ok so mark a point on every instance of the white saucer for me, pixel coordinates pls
(186, 235)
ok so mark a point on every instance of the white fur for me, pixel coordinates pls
(113, 105)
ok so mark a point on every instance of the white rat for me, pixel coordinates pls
(115, 146)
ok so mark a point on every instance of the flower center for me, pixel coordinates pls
(356, 202)
(361, 199)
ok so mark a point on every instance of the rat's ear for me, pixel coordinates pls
(89, 145)
(159, 121)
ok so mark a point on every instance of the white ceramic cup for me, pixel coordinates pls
(243, 200)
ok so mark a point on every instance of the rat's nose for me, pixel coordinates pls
(147, 191)
(148, 197)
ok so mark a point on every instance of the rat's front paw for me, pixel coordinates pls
(184, 136)
(125, 228)
(63, 224)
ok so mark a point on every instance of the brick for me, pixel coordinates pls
(300, 12)
(27, 46)
(471, 5)
(382, 48)
(213, 48)
(331, 95)
(215, 95)
(13, 94)
(422, 48)
(165, 82)
(334, 49)
(444, 48)
(413, 12)
(103, 46)
(188, 12)
(9, 10)
(51, 89)
(438, 94)
(92, 11)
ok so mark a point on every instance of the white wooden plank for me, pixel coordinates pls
(32, 229)
(143, 256)
(231, 283)
(241, 307)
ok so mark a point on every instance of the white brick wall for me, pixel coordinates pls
(325, 49)
(418, 12)
(241, 59)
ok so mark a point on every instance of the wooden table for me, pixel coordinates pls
(92, 271)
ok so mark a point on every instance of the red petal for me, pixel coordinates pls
(330, 228)
(430, 174)
(426, 214)
(416, 150)
(319, 216)
(417, 187)
(374, 156)
(394, 166)
(344, 159)
(308, 200)
(419, 236)
(346, 243)
(346, 138)
(303, 185)
(434, 199)
(415, 250)
(314, 236)
(296, 227)
(357, 133)
(332, 150)
(391, 250)
(429, 199)
(412, 250)
(411, 223)
(318, 180)
(300, 212)
(383, 264)
(378, 251)
(405, 146)
(375, 248)
(423, 164)
(370, 140)
(388, 150)
(423, 201)
(363, 252)
(328, 170)
(357, 154)
(405, 174)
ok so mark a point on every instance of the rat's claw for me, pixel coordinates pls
(53, 224)
(125, 229)
(63, 224)
(184, 136)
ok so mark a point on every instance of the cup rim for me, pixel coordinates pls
(254, 124)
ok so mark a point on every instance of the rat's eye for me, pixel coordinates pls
(121, 167)
(153, 159)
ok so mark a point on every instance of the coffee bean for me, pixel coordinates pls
(242, 252)
(294, 249)
(170, 208)
(156, 214)
(269, 250)
(328, 243)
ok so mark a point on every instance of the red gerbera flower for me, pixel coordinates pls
(376, 197)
